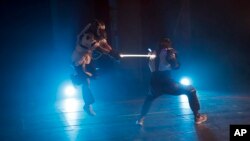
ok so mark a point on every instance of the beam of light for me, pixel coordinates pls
(185, 108)
(138, 55)
(185, 81)
(71, 109)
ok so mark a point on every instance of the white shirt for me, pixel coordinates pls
(87, 40)
(163, 64)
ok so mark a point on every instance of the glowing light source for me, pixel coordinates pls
(185, 81)
(69, 90)
(185, 108)
(71, 105)
(137, 55)
(70, 108)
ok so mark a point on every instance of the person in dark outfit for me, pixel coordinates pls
(93, 38)
(162, 83)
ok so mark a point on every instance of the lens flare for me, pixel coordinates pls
(185, 81)
(69, 90)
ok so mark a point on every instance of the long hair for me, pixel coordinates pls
(95, 25)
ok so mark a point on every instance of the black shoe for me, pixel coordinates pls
(89, 110)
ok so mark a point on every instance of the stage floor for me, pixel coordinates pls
(169, 119)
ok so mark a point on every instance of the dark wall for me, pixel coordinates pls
(211, 37)
(26, 45)
(37, 39)
(220, 44)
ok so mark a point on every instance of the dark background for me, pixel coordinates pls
(38, 37)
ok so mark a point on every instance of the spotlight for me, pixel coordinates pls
(69, 90)
(185, 81)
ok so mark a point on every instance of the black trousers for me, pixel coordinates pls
(161, 83)
(87, 95)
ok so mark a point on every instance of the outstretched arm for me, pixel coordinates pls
(103, 47)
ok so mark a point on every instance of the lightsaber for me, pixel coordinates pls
(138, 55)
(150, 55)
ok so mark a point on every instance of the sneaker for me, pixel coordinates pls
(200, 119)
(89, 110)
(140, 121)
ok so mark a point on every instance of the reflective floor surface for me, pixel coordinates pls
(170, 119)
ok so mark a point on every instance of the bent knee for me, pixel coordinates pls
(190, 90)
